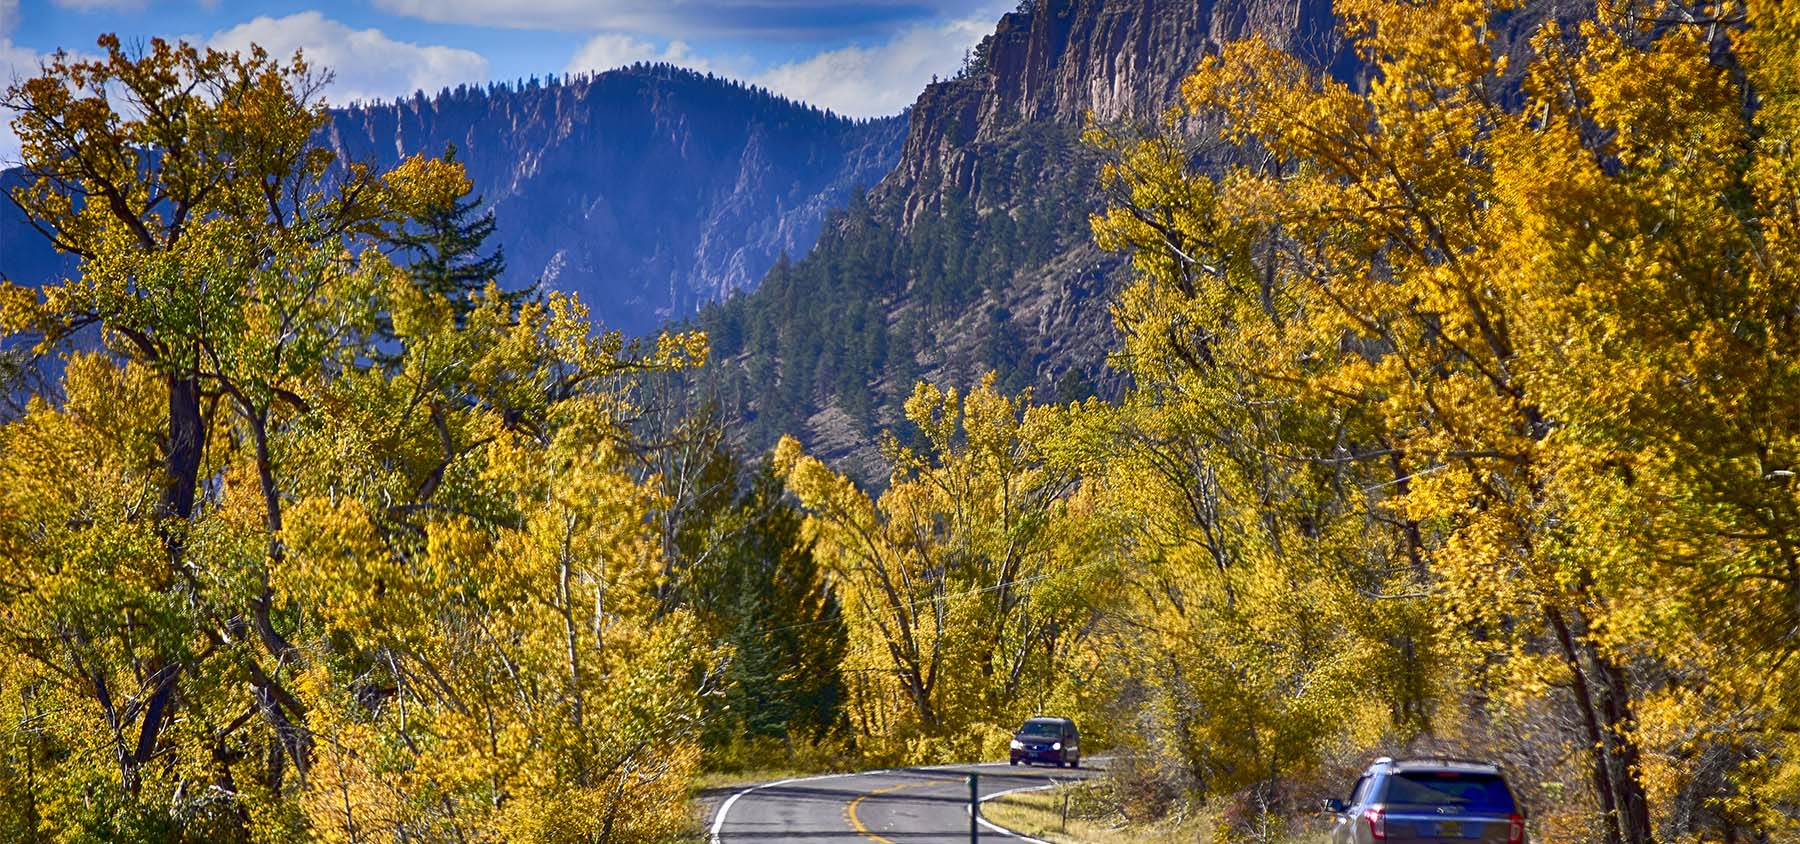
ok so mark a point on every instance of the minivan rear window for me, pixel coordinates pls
(1474, 792)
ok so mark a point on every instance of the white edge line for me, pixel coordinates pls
(719, 817)
(1003, 830)
(718, 825)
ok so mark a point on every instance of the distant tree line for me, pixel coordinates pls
(467, 93)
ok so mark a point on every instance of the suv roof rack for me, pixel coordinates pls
(1440, 758)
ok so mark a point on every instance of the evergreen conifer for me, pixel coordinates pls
(444, 249)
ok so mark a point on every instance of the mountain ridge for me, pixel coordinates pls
(650, 190)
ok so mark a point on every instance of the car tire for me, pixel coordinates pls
(1076, 763)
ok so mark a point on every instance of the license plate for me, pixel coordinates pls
(1449, 829)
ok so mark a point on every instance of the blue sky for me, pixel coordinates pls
(858, 57)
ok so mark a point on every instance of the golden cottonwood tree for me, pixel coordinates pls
(1270, 597)
(973, 587)
(257, 587)
(481, 561)
(214, 257)
(1554, 336)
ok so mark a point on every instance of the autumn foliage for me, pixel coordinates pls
(1463, 416)
(310, 551)
(1496, 361)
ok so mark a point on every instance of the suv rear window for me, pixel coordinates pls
(1484, 793)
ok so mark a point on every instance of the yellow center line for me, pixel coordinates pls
(856, 822)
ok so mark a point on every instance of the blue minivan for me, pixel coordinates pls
(1047, 740)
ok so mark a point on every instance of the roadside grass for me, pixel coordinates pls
(747, 761)
(1039, 814)
(1091, 819)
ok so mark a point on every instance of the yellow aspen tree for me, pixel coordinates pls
(971, 587)
(264, 582)
(485, 568)
(1554, 317)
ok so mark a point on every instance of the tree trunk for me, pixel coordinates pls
(278, 645)
(294, 735)
(1603, 696)
(1603, 786)
(565, 604)
(181, 456)
(175, 507)
(1615, 707)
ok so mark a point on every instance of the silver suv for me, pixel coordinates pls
(1429, 801)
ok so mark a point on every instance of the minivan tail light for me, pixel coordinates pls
(1515, 833)
(1377, 818)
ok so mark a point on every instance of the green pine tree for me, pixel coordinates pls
(760, 589)
(444, 249)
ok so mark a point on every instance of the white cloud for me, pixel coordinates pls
(681, 17)
(366, 64)
(17, 64)
(612, 50)
(883, 79)
(858, 80)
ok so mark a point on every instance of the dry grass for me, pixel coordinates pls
(1040, 814)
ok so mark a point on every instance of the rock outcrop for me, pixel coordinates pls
(1070, 61)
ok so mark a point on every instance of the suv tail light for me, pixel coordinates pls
(1515, 832)
(1377, 818)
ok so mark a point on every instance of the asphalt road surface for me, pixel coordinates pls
(903, 806)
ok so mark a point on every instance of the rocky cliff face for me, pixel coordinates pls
(1069, 61)
(649, 190)
(992, 164)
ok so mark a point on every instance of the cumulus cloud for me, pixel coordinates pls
(612, 49)
(880, 80)
(366, 64)
(689, 18)
(861, 80)
(16, 63)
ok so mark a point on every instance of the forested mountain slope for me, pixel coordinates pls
(649, 190)
(975, 252)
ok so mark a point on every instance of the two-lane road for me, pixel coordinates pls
(903, 806)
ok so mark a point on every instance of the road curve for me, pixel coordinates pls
(901, 806)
